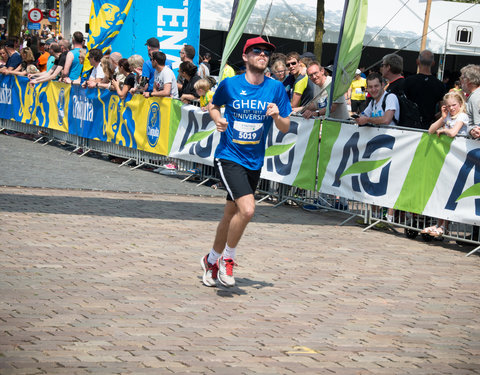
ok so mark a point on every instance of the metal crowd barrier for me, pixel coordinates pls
(270, 191)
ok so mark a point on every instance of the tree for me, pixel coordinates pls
(319, 29)
(15, 18)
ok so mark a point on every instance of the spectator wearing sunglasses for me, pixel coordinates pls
(302, 90)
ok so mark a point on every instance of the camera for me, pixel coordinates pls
(144, 81)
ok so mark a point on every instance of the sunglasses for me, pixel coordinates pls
(293, 63)
(258, 51)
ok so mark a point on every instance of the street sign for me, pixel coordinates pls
(35, 15)
(52, 13)
(33, 26)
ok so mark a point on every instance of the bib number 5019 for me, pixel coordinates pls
(247, 135)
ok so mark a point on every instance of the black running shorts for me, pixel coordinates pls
(238, 180)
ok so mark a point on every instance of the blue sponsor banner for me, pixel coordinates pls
(81, 113)
(33, 26)
(9, 100)
(173, 22)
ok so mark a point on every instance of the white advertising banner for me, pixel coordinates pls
(290, 158)
(406, 170)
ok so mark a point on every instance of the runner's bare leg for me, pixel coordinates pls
(235, 218)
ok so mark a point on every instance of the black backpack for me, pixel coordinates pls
(409, 112)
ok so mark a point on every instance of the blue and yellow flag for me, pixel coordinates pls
(106, 20)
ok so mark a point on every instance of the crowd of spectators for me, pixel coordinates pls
(305, 79)
(374, 99)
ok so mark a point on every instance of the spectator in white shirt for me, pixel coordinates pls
(96, 76)
(380, 110)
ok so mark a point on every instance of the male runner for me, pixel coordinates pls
(252, 102)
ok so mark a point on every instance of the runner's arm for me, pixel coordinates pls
(282, 123)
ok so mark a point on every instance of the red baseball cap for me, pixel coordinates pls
(258, 41)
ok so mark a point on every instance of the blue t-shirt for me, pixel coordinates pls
(243, 141)
(149, 71)
(76, 68)
(14, 60)
(50, 62)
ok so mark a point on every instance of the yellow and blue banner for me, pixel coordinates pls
(107, 18)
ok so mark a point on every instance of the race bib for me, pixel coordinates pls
(247, 133)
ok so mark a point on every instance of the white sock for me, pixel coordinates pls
(213, 256)
(229, 252)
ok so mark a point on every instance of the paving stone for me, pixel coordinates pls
(100, 282)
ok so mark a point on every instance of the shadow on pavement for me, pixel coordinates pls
(207, 210)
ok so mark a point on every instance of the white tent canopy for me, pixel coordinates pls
(403, 20)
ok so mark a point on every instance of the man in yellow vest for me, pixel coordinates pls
(356, 94)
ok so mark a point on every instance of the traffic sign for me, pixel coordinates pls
(33, 26)
(35, 15)
(52, 13)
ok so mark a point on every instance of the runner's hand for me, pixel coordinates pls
(222, 124)
(272, 110)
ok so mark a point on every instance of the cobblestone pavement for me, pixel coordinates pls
(101, 282)
(28, 164)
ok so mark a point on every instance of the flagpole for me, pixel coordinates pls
(337, 53)
(425, 25)
(266, 18)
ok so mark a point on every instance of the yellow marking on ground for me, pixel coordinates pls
(302, 350)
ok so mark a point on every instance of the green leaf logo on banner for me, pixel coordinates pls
(278, 149)
(472, 191)
(199, 136)
(364, 166)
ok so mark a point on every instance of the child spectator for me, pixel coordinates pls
(108, 73)
(454, 121)
(203, 89)
(454, 118)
